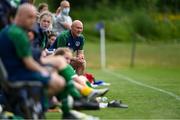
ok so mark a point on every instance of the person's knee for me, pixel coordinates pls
(57, 83)
(83, 78)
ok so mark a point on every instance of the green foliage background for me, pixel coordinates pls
(127, 19)
(156, 64)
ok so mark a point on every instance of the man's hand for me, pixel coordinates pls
(80, 58)
(79, 65)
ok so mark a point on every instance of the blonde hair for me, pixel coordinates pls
(62, 51)
(41, 6)
(46, 13)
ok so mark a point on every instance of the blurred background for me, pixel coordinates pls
(140, 34)
(154, 25)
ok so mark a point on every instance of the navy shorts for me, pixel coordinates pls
(27, 75)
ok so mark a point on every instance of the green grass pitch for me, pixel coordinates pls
(151, 88)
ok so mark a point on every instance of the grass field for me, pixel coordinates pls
(151, 88)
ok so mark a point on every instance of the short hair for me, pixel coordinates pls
(52, 34)
(41, 6)
(61, 4)
(62, 51)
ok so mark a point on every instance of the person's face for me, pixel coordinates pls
(45, 22)
(65, 8)
(68, 56)
(52, 39)
(29, 19)
(77, 29)
(44, 9)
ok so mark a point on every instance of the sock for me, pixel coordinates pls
(88, 84)
(65, 108)
(72, 90)
(68, 73)
(86, 91)
(63, 97)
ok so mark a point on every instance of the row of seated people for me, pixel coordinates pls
(25, 63)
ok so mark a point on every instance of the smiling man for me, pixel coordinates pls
(72, 39)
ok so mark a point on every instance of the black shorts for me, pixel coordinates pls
(30, 76)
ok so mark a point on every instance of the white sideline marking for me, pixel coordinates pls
(142, 84)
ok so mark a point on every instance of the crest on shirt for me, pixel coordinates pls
(69, 44)
(77, 43)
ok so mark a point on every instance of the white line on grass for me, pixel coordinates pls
(142, 84)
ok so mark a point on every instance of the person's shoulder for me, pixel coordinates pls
(5, 29)
(68, 16)
(64, 33)
(16, 30)
(81, 36)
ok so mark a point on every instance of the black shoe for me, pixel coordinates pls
(70, 116)
(117, 104)
(83, 104)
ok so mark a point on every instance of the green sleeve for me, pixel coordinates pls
(61, 41)
(21, 42)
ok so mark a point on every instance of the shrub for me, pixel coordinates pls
(143, 24)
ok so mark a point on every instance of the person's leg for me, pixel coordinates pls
(86, 81)
(70, 89)
(70, 76)
(68, 73)
(56, 84)
(65, 71)
(80, 84)
(62, 94)
(84, 90)
(81, 80)
(87, 91)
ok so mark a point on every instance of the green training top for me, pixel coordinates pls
(65, 39)
(20, 40)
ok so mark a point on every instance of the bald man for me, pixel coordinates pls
(15, 53)
(74, 40)
(63, 21)
(16, 56)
